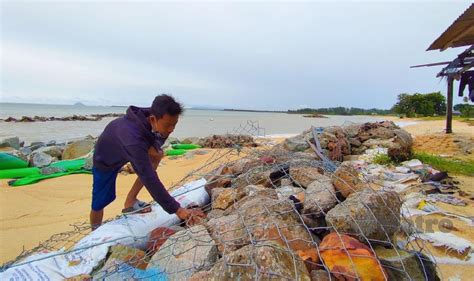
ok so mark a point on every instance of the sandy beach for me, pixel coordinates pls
(31, 214)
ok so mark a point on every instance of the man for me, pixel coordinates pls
(137, 138)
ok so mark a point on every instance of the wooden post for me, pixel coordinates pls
(449, 109)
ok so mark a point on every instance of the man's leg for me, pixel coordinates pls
(103, 193)
(138, 185)
(96, 218)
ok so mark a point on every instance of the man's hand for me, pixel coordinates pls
(191, 216)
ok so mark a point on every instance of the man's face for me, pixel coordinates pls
(165, 125)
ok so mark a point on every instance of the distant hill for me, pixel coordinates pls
(79, 104)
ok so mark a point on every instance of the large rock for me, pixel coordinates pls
(244, 165)
(352, 130)
(53, 151)
(10, 141)
(191, 140)
(119, 255)
(184, 253)
(403, 265)
(267, 218)
(367, 214)
(228, 232)
(26, 150)
(378, 130)
(257, 176)
(285, 191)
(78, 149)
(298, 143)
(375, 143)
(218, 178)
(304, 176)
(40, 159)
(224, 198)
(37, 144)
(263, 261)
(16, 153)
(349, 259)
(347, 180)
(402, 148)
(320, 197)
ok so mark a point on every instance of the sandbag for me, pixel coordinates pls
(39, 177)
(19, 173)
(8, 161)
(175, 152)
(70, 165)
(90, 251)
(185, 146)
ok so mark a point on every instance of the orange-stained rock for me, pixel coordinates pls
(349, 259)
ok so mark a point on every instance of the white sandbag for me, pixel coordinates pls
(130, 230)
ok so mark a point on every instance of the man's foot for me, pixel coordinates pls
(139, 207)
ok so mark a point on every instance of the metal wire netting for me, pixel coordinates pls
(272, 226)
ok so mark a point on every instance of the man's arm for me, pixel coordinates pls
(141, 162)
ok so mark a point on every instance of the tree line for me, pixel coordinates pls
(409, 105)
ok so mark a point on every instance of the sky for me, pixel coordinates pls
(245, 55)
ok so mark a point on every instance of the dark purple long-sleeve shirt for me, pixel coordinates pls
(127, 139)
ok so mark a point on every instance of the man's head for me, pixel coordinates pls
(164, 115)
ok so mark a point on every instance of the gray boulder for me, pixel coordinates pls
(367, 214)
(352, 130)
(228, 232)
(78, 149)
(297, 143)
(36, 144)
(10, 141)
(304, 176)
(262, 261)
(26, 150)
(185, 252)
(320, 197)
(40, 159)
(402, 148)
(403, 265)
(346, 180)
(53, 151)
(191, 140)
(16, 153)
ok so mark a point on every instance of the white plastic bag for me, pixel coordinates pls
(130, 230)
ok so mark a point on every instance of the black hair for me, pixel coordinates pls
(165, 104)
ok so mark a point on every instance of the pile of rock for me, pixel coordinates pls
(228, 140)
(355, 139)
(93, 117)
(42, 154)
(285, 217)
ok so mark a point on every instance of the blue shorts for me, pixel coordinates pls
(103, 188)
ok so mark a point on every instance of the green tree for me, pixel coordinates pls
(420, 104)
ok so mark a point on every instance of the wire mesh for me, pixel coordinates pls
(269, 225)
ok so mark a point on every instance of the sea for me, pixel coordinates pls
(193, 123)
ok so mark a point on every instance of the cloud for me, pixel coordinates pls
(49, 72)
(243, 55)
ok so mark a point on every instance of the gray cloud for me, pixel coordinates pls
(242, 55)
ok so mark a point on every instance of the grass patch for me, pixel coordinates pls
(383, 159)
(446, 164)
